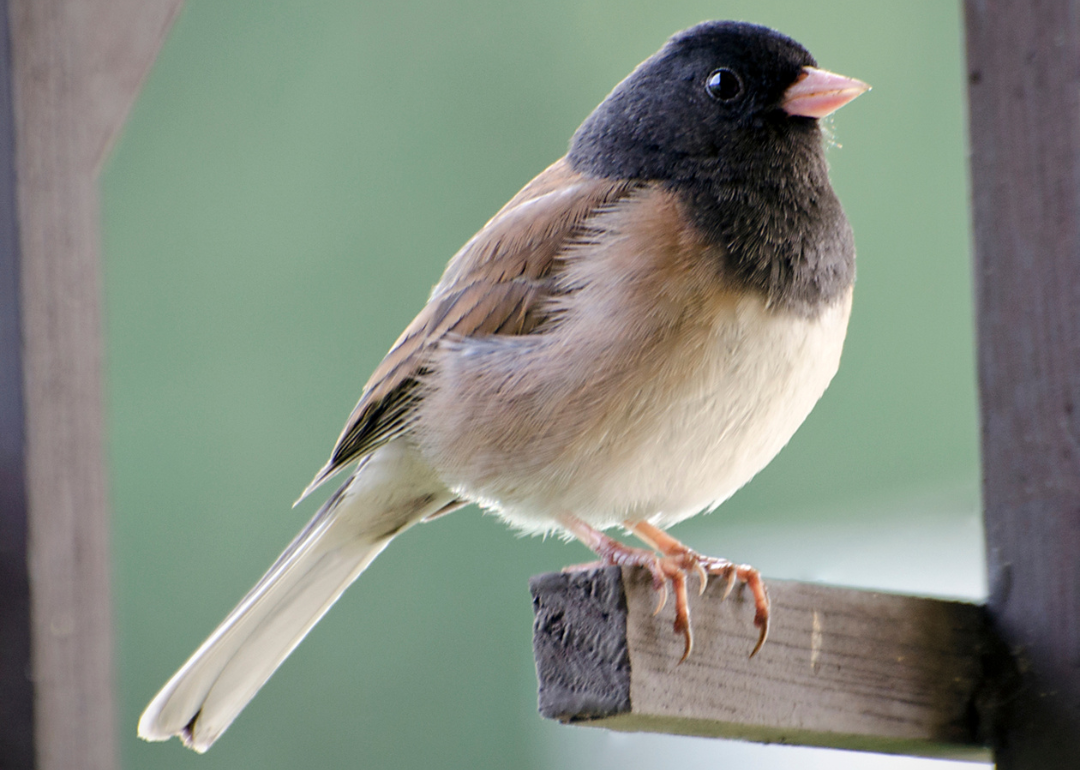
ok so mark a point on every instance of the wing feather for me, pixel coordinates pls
(498, 283)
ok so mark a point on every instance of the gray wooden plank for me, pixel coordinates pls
(842, 668)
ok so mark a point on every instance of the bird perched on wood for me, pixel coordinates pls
(625, 343)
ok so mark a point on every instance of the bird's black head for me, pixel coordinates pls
(710, 117)
(713, 92)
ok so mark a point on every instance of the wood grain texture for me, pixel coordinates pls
(77, 66)
(842, 668)
(1024, 91)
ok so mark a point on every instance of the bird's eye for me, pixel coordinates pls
(724, 84)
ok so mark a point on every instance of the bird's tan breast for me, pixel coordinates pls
(746, 387)
(659, 391)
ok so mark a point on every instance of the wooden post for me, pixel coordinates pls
(72, 74)
(1024, 91)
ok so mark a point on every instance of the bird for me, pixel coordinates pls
(624, 344)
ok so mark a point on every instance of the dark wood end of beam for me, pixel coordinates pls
(842, 668)
(579, 642)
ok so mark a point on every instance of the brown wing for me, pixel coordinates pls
(496, 284)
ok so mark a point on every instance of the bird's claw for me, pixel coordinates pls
(673, 562)
(677, 559)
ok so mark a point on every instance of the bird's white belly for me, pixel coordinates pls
(739, 402)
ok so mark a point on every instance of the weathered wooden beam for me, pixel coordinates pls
(842, 668)
(1024, 91)
(75, 68)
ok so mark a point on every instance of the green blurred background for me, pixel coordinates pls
(288, 188)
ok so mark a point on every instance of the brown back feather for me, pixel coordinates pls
(498, 283)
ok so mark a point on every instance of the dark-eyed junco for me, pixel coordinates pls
(625, 343)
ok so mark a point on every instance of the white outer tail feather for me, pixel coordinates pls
(391, 490)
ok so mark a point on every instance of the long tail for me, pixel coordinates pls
(391, 490)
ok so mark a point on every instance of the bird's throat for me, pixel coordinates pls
(779, 223)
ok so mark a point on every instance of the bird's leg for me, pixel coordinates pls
(662, 569)
(687, 559)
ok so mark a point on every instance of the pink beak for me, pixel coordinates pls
(818, 93)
